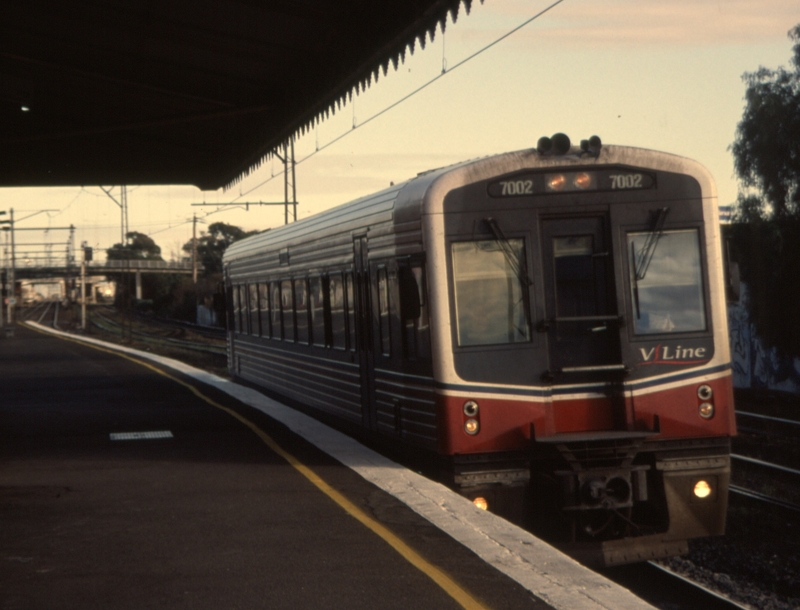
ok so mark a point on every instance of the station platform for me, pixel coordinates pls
(129, 480)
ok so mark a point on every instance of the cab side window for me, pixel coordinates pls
(414, 311)
(382, 281)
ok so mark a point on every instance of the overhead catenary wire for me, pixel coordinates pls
(407, 96)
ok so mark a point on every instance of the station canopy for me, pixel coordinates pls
(185, 92)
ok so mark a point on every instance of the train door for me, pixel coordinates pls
(364, 323)
(582, 321)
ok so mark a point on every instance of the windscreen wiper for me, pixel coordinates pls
(642, 261)
(516, 262)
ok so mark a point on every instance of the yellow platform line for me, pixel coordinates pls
(445, 582)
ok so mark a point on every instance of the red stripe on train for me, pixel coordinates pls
(509, 425)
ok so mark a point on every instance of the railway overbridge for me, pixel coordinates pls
(66, 275)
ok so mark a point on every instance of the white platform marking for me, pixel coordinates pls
(136, 436)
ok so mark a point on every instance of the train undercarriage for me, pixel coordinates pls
(608, 501)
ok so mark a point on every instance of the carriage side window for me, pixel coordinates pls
(383, 311)
(275, 302)
(489, 298)
(287, 310)
(237, 322)
(263, 300)
(667, 283)
(242, 308)
(350, 305)
(301, 310)
(229, 312)
(338, 312)
(252, 290)
(317, 309)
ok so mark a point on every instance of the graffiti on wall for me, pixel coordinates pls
(756, 366)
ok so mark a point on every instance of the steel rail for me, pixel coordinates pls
(779, 420)
(664, 588)
(749, 493)
(758, 462)
(706, 591)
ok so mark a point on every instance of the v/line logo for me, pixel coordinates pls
(664, 354)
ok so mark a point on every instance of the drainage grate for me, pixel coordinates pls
(135, 436)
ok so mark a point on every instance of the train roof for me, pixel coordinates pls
(409, 200)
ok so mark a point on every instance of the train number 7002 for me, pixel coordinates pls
(517, 187)
(626, 181)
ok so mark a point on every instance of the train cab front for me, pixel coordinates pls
(587, 370)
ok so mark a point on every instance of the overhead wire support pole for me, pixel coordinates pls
(12, 299)
(194, 248)
(288, 160)
(11, 293)
(123, 205)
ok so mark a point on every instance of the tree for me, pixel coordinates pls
(765, 235)
(140, 247)
(767, 146)
(212, 244)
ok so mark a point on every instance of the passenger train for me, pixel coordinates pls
(549, 323)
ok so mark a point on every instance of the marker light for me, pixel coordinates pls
(582, 180)
(481, 503)
(556, 182)
(702, 489)
(706, 410)
(471, 408)
(471, 427)
(704, 392)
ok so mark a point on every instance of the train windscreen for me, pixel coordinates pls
(490, 308)
(667, 283)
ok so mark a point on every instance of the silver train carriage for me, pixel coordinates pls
(551, 322)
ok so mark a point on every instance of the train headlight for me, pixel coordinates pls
(471, 408)
(472, 427)
(702, 489)
(481, 503)
(706, 410)
(704, 392)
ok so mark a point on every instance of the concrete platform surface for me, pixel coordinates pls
(129, 480)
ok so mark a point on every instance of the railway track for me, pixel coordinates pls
(767, 424)
(112, 326)
(205, 331)
(774, 470)
(664, 588)
(754, 495)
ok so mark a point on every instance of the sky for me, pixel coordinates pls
(647, 73)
